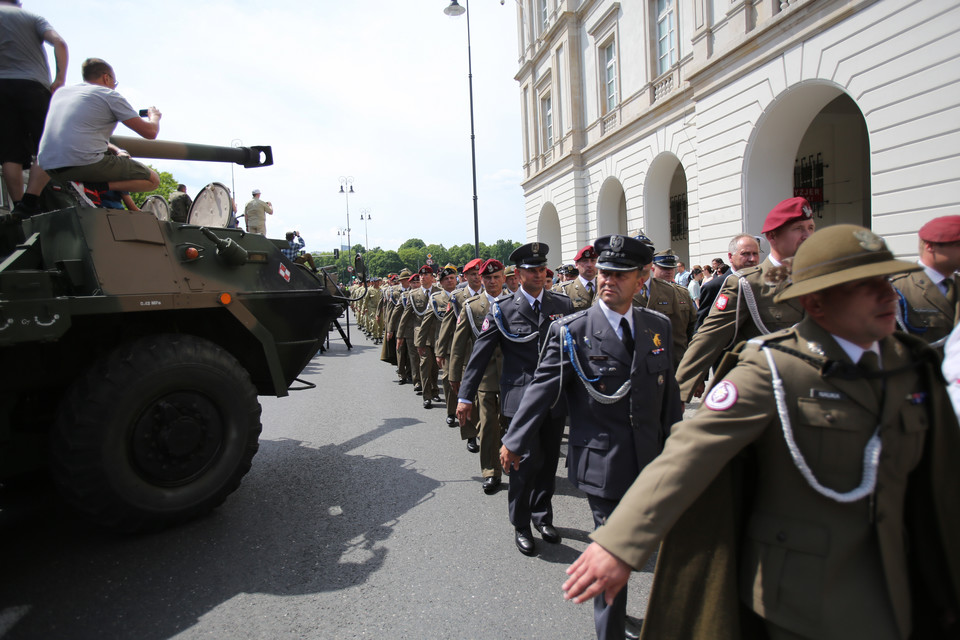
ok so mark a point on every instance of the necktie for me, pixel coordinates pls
(626, 335)
(590, 290)
(643, 297)
(948, 290)
(870, 365)
(536, 307)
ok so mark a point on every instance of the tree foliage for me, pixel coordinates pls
(168, 184)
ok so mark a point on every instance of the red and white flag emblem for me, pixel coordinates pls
(721, 302)
(284, 272)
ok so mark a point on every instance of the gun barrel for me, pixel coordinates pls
(256, 156)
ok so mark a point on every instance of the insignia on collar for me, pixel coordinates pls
(722, 397)
(869, 240)
(815, 348)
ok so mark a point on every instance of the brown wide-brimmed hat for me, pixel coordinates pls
(837, 255)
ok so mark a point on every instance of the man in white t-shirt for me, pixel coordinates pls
(76, 139)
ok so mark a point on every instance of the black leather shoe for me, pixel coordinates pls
(451, 421)
(427, 404)
(437, 398)
(524, 539)
(548, 533)
(472, 445)
(491, 484)
(631, 631)
(417, 389)
(403, 381)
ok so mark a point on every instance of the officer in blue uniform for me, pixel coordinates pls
(518, 324)
(613, 365)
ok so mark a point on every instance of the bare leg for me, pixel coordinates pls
(38, 180)
(13, 177)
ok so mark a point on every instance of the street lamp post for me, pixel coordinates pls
(346, 188)
(455, 10)
(365, 216)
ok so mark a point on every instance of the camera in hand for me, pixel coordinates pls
(144, 113)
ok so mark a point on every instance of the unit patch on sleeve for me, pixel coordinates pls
(722, 397)
(721, 302)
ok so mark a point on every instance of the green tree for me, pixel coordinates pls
(168, 184)
(412, 243)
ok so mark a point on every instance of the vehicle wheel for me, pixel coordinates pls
(158, 431)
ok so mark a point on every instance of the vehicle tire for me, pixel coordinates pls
(158, 431)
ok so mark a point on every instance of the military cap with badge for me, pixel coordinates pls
(530, 255)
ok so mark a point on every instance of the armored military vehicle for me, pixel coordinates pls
(133, 350)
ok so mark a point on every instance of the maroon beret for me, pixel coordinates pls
(942, 229)
(586, 252)
(491, 266)
(476, 263)
(787, 211)
(426, 269)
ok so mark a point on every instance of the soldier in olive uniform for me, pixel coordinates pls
(582, 290)
(468, 289)
(428, 334)
(663, 295)
(928, 298)
(417, 306)
(393, 323)
(612, 363)
(489, 425)
(745, 307)
(511, 280)
(839, 520)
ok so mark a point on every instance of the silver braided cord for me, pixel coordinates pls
(871, 453)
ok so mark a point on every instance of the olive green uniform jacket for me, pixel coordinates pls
(674, 302)
(814, 566)
(928, 314)
(578, 294)
(730, 322)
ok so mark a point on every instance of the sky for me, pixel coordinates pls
(376, 90)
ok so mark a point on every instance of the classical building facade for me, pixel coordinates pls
(690, 119)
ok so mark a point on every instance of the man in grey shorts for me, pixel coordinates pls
(76, 147)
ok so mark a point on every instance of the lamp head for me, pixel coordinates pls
(454, 9)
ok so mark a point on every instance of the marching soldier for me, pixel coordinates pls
(427, 335)
(666, 298)
(489, 424)
(928, 298)
(612, 363)
(388, 352)
(582, 290)
(745, 307)
(468, 289)
(417, 306)
(511, 281)
(518, 325)
(393, 324)
(851, 459)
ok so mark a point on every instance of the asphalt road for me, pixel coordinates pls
(362, 517)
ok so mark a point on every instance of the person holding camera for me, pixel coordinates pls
(75, 146)
(296, 245)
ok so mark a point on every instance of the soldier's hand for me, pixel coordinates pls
(699, 390)
(464, 411)
(389, 335)
(441, 362)
(399, 342)
(454, 386)
(421, 351)
(596, 571)
(508, 459)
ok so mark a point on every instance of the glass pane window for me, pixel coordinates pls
(546, 115)
(610, 65)
(666, 36)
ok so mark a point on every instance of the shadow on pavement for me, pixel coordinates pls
(305, 520)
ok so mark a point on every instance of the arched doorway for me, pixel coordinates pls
(811, 140)
(665, 205)
(548, 231)
(611, 209)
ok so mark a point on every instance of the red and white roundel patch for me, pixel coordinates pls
(722, 397)
(721, 302)
(485, 325)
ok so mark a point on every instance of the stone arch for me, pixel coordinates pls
(795, 124)
(611, 209)
(548, 231)
(664, 184)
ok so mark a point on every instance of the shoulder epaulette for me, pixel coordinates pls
(571, 317)
(472, 298)
(743, 273)
(776, 336)
(560, 293)
(653, 312)
(899, 276)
